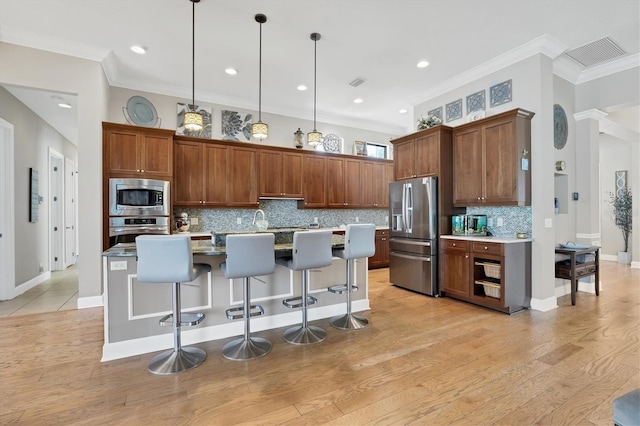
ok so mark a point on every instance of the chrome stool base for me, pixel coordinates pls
(349, 322)
(174, 362)
(242, 349)
(305, 335)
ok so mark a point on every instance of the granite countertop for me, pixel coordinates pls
(205, 248)
(488, 239)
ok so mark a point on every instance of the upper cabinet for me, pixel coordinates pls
(491, 161)
(130, 151)
(344, 182)
(418, 154)
(200, 174)
(375, 178)
(314, 188)
(242, 181)
(280, 174)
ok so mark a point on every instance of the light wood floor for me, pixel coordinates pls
(422, 361)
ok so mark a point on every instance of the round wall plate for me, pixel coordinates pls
(560, 127)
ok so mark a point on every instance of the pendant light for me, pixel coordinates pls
(314, 138)
(192, 118)
(260, 130)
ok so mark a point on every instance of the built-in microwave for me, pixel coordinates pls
(139, 197)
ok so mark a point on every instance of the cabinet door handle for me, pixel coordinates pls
(466, 256)
(486, 248)
(143, 171)
(454, 244)
(478, 198)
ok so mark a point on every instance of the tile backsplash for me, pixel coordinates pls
(515, 219)
(279, 213)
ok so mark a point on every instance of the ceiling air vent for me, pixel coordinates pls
(596, 52)
(357, 82)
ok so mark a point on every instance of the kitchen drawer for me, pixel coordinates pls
(490, 248)
(446, 244)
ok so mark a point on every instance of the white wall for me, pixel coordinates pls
(28, 67)
(32, 137)
(281, 128)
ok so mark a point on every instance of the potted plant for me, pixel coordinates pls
(621, 204)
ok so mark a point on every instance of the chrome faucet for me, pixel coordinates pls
(256, 214)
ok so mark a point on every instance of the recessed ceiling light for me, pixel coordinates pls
(231, 71)
(357, 100)
(139, 49)
(302, 87)
(403, 111)
(61, 102)
(64, 105)
(422, 64)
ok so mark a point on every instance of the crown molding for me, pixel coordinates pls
(544, 44)
(594, 114)
(52, 44)
(619, 65)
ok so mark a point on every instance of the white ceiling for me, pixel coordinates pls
(379, 41)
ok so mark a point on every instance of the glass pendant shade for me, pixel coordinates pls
(314, 138)
(260, 130)
(193, 121)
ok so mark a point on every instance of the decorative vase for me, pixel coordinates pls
(624, 257)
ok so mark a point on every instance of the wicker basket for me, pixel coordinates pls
(492, 270)
(492, 290)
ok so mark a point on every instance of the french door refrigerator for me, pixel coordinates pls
(413, 243)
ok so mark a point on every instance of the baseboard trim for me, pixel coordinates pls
(28, 285)
(117, 350)
(635, 265)
(544, 305)
(609, 257)
(90, 302)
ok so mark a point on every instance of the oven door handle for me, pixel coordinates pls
(134, 229)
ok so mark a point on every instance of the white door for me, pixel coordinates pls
(56, 210)
(7, 218)
(70, 225)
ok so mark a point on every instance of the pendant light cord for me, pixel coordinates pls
(260, 78)
(193, 56)
(315, 66)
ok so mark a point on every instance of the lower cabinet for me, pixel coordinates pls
(381, 258)
(491, 274)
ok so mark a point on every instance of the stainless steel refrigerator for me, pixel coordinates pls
(413, 243)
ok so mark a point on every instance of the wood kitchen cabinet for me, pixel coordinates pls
(200, 174)
(381, 258)
(344, 182)
(131, 151)
(491, 274)
(418, 154)
(242, 180)
(314, 182)
(490, 160)
(375, 179)
(280, 174)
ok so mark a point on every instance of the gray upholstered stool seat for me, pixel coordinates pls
(359, 242)
(626, 409)
(163, 259)
(311, 249)
(248, 255)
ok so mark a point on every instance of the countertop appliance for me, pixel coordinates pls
(413, 244)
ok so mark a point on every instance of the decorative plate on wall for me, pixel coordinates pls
(560, 127)
(141, 112)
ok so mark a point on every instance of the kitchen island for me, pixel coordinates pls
(132, 308)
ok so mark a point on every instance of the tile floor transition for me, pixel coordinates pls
(58, 293)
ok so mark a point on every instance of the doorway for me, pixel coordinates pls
(70, 212)
(7, 218)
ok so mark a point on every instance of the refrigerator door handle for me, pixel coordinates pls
(404, 207)
(409, 204)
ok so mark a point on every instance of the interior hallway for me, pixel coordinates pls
(58, 293)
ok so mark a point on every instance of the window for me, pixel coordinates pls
(376, 150)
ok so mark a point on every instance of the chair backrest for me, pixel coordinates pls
(250, 255)
(311, 249)
(164, 258)
(360, 240)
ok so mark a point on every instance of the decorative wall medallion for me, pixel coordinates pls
(206, 121)
(332, 143)
(621, 182)
(234, 125)
(500, 93)
(476, 102)
(454, 110)
(436, 113)
(560, 127)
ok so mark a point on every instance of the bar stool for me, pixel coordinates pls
(359, 242)
(168, 258)
(311, 249)
(248, 255)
